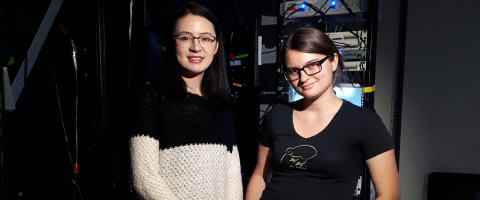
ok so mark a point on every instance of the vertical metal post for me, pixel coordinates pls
(397, 87)
(371, 54)
(101, 65)
(372, 26)
(256, 57)
(278, 63)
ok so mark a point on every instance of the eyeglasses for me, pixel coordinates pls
(187, 40)
(309, 69)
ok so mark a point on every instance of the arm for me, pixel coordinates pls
(383, 169)
(148, 183)
(261, 173)
(145, 150)
(234, 177)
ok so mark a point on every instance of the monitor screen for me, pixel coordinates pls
(349, 93)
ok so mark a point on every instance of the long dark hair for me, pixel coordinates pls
(310, 40)
(214, 84)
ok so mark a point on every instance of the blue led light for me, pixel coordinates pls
(302, 6)
(333, 4)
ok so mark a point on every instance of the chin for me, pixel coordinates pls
(308, 93)
(311, 95)
(195, 69)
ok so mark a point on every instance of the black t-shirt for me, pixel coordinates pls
(326, 165)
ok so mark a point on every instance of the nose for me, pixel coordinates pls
(196, 45)
(303, 76)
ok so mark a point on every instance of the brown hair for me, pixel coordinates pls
(310, 40)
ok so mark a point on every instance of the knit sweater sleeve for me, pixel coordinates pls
(145, 151)
(234, 178)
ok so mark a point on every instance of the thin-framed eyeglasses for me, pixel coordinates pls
(187, 40)
(309, 69)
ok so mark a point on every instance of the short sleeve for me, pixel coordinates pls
(265, 136)
(374, 138)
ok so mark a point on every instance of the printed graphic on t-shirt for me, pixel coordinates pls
(297, 156)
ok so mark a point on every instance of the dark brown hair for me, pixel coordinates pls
(310, 40)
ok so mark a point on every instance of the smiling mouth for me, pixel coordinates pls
(308, 86)
(195, 59)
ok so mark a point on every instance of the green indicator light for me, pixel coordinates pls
(241, 56)
(11, 61)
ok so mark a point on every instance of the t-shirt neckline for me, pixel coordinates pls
(334, 117)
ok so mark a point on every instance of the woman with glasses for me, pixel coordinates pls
(183, 145)
(315, 148)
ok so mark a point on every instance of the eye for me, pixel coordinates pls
(293, 71)
(206, 39)
(313, 64)
(183, 38)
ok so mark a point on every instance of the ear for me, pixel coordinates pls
(216, 46)
(335, 62)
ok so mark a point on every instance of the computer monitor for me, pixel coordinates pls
(351, 93)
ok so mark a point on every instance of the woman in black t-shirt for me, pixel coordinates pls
(315, 148)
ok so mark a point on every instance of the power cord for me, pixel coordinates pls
(75, 179)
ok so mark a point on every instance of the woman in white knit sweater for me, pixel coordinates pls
(183, 146)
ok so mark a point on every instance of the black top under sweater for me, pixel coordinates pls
(192, 120)
(184, 149)
(326, 165)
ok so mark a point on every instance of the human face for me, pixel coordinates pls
(315, 85)
(194, 59)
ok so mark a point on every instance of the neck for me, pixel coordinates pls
(328, 101)
(194, 84)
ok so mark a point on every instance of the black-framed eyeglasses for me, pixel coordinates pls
(187, 40)
(309, 69)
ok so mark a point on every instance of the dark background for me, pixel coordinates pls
(440, 113)
(41, 137)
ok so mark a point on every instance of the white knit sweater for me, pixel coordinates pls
(197, 158)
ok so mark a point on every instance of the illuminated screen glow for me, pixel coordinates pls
(351, 94)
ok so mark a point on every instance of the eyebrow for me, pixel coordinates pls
(313, 60)
(186, 32)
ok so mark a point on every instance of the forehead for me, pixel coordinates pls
(194, 24)
(298, 59)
